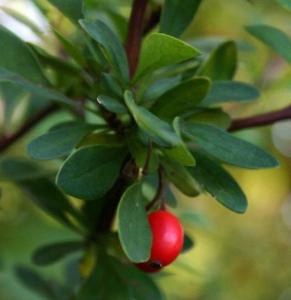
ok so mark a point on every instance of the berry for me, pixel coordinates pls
(168, 239)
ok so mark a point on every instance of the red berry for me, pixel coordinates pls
(168, 239)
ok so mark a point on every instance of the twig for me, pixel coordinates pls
(160, 190)
(134, 37)
(261, 120)
(7, 140)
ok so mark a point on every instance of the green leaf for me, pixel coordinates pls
(160, 50)
(71, 48)
(180, 153)
(177, 15)
(285, 3)
(160, 87)
(22, 19)
(180, 177)
(52, 253)
(158, 130)
(53, 62)
(133, 227)
(230, 91)
(59, 142)
(181, 99)
(17, 169)
(212, 116)
(35, 282)
(34, 182)
(111, 85)
(278, 40)
(17, 57)
(90, 171)
(227, 148)
(103, 35)
(123, 282)
(112, 104)
(73, 9)
(222, 62)
(219, 183)
(37, 89)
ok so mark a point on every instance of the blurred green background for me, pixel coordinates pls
(241, 257)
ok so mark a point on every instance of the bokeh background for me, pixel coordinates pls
(241, 257)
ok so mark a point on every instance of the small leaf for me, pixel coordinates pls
(180, 177)
(230, 91)
(222, 62)
(158, 130)
(278, 40)
(73, 9)
(59, 142)
(111, 104)
(37, 89)
(160, 87)
(181, 99)
(177, 15)
(103, 35)
(225, 147)
(90, 171)
(219, 183)
(133, 227)
(212, 116)
(180, 153)
(52, 253)
(16, 57)
(35, 282)
(160, 50)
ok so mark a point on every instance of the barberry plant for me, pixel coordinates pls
(146, 115)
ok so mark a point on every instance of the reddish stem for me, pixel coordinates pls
(261, 120)
(135, 30)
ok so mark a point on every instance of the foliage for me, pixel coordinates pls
(162, 121)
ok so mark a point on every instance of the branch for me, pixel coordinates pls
(7, 140)
(261, 120)
(135, 30)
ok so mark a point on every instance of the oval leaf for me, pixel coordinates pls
(181, 99)
(58, 142)
(112, 104)
(221, 64)
(230, 91)
(278, 40)
(180, 177)
(103, 35)
(225, 147)
(90, 171)
(133, 226)
(17, 57)
(52, 253)
(177, 15)
(158, 130)
(219, 183)
(160, 50)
